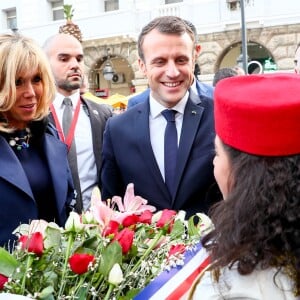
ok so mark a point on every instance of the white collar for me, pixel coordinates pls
(156, 108)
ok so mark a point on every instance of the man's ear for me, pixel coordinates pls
(197, 50)
(142, 66)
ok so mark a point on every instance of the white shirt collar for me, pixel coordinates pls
(60, 97)
(156, 108)
(194, 86)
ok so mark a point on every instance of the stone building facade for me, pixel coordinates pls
(110, 35)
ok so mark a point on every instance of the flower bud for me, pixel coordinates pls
(79, 262)
(88, 218)
(73, 222)
(125, 239)
(33, 243)
(111, 229)
(115, 275)
(146, 217)
(166, 219)
(3, 280)
(205, 224)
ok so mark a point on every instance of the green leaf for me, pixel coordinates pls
(178, 230)
(90, 243)
(47, 293)
(82, 293)
(130, 294)
(192, 229)
(8, 263)
(51, 278)
(53, 237)
(110, 256)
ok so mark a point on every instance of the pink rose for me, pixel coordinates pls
(146, 217)
(167, 218)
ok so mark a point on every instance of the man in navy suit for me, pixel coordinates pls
(133, 144)
(202, 89)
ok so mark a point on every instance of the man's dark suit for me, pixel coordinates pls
(128, 157)
(98, 113)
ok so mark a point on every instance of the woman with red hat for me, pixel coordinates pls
(255, 245)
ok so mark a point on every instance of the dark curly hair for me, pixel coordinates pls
(259, 222)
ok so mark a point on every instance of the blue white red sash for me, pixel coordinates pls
(176, 283)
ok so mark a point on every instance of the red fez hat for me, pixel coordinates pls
(259, 114)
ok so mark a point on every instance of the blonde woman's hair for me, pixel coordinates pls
(20, 55)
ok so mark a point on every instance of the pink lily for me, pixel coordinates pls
(100, 210)
(131, 204)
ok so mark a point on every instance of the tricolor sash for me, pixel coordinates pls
(176, 283)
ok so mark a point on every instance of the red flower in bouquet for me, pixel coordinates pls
(167, 219)
(176, 249)
(79, 262)
(111, 244)
(146, 217)
(111, 228)
(125, 239)
(130, 220)
(3, 280)
(33, 243)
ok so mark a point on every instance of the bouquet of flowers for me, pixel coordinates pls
(111, 251)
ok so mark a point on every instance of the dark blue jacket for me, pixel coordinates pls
(16, 199)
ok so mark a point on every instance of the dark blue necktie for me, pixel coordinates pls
(171, 147)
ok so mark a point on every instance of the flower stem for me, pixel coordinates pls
(28, 265)
(150, 248)
(110, 289)
(68, 250)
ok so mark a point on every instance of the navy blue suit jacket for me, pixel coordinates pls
(203, 89)
(16, 199)
(128, 157)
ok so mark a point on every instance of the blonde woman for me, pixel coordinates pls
(35, 180)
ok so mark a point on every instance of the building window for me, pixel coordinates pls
(11, 18)
(172, 1)
(58, 10)
(111, 5)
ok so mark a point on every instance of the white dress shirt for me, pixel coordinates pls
(86, 163)
(157, 121)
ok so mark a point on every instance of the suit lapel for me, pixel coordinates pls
(97, 126)
(55, 152)
(192, 116)
(11, 169)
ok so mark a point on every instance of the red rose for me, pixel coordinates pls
(3, 280)
(176, 249)
(125, 239)
(79, 262)
(167, 218)
(111, 228)
(146, 217)
(34, 243)
(130, 220)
